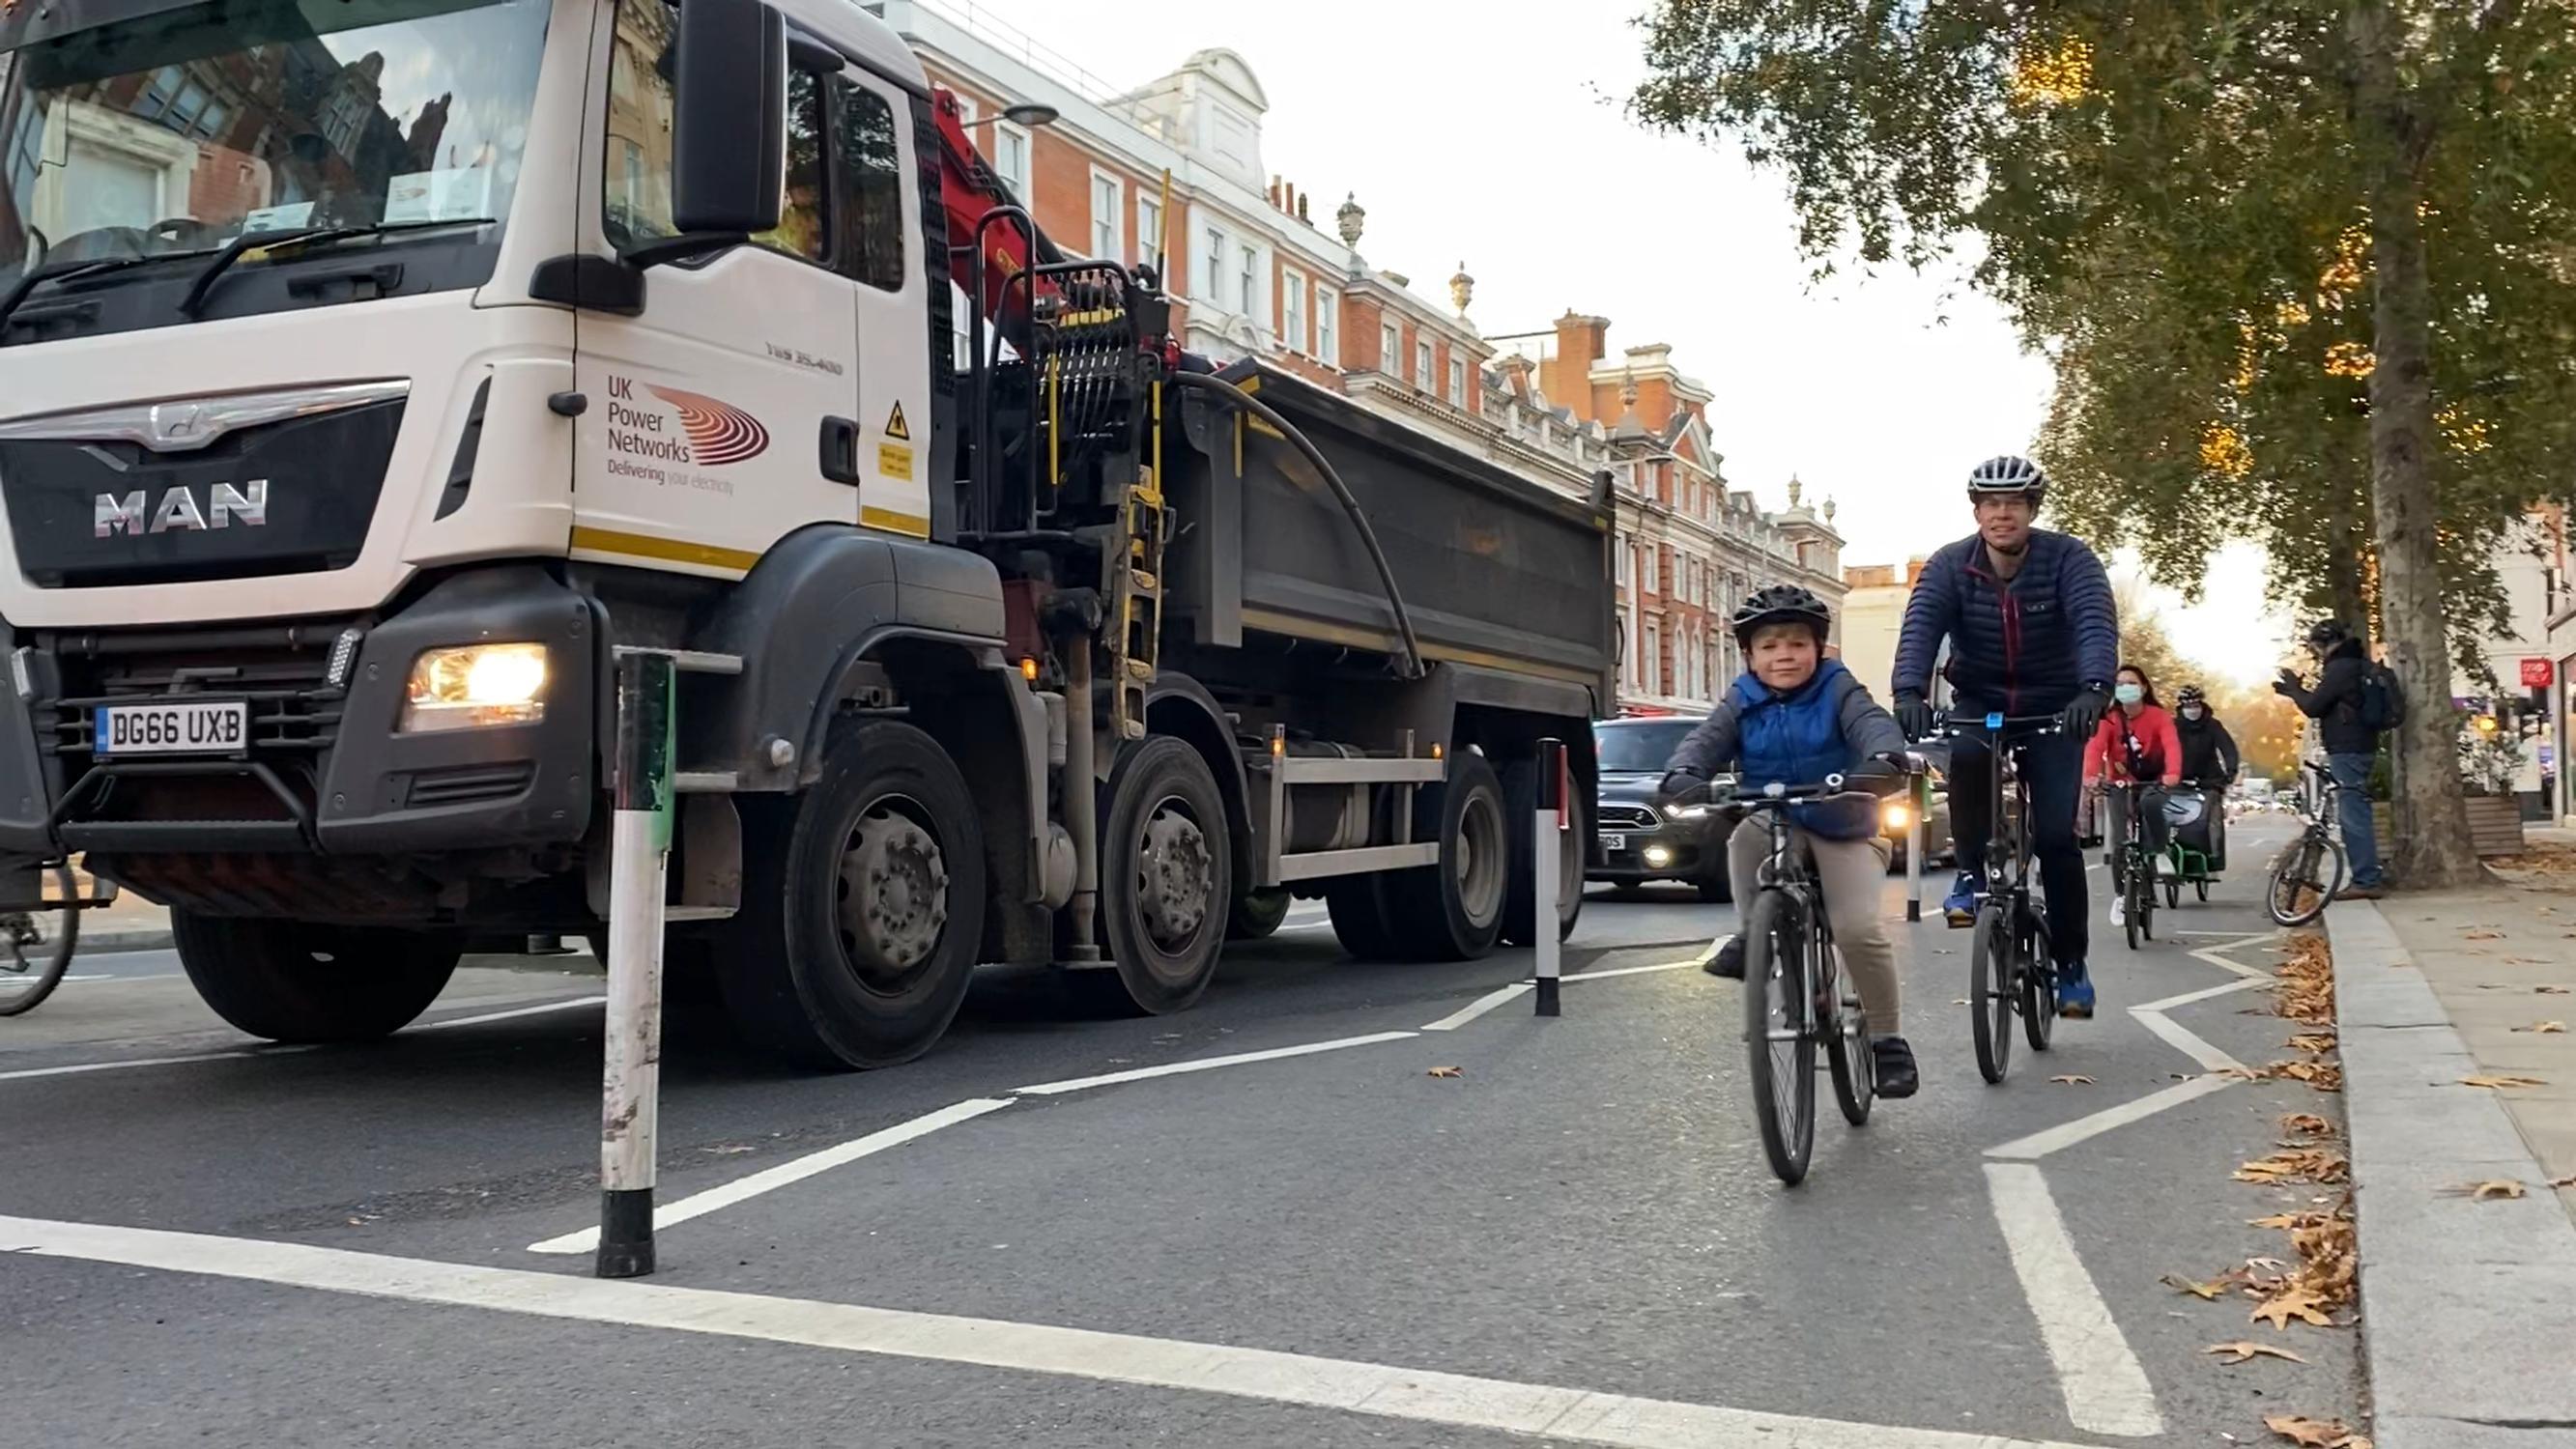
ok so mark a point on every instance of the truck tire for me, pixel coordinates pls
(293, 981)
(1520, 902)
(863, 905)
(1362, 921)
(1166, 874)
(1257, 915)
(1454, 911)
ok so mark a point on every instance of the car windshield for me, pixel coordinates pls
(174, 132)
(1640, 749)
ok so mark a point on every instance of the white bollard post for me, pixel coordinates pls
(1547, 857)
(631, 1074)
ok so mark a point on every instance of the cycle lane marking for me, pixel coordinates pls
(2104, 1385)
(1380, 1390)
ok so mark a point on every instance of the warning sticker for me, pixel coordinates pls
(894, 462)
(895, 428)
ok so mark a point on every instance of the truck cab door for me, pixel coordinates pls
(881, 200)
(721, 416)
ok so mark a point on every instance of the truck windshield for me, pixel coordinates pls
(175, 132)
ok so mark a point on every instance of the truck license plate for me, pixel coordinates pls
(1614, 842)
(198, 727)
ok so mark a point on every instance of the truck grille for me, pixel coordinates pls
(281, 672)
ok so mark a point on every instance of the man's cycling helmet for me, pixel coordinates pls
(1781, 604)
(2008, 474)
(2327, 633)
(2190, 695)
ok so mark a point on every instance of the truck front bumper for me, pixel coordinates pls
(327, 768)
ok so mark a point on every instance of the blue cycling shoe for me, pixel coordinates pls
(1960, 906)
(2074, 992)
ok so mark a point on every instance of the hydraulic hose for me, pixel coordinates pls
(1237, 397)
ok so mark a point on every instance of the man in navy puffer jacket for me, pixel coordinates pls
(2033, 630)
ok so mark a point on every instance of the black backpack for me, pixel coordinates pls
(2383, 699)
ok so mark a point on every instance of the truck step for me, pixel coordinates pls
(704, 782)
(689, 661)
(697, 913)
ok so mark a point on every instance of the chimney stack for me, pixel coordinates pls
(1566, 378)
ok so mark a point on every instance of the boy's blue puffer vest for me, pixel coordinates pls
(1797, 739)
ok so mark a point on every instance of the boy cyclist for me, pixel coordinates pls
(1795, 717)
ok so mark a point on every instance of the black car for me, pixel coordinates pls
(1639, 842)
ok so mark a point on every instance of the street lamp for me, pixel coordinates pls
(1031, 114)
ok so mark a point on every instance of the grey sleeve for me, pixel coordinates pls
(1871, 731)
(1709, 748)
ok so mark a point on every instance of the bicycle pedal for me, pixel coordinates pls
(1960, 920)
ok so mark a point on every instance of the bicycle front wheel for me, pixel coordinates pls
(2304, 876)
(1991, 984)
(36, 949)
(1780, 1041)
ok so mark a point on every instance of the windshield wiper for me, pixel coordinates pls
(37, 276)
(299, 236)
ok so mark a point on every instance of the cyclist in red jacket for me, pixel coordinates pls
(2135, 742)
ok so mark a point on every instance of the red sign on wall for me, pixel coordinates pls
(2535, 674)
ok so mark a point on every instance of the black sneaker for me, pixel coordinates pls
(1729, 960)
(1895, 1060)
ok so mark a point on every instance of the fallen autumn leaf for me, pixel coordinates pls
(2491, 1189)
(2072, 1081)
(2206, 1292)
(1443, 1072)
(2246, 1350)
(2296, 1303)
(2314, 1433)
(2502, 1082)
(2544, 1028)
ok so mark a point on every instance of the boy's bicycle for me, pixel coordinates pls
(2010, 966)
(2309, 870)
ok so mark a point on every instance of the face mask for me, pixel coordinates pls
(2129, 693)
(2193, 713)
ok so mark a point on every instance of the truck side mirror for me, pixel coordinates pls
(729, 151)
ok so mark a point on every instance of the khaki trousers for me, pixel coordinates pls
(1854, 873)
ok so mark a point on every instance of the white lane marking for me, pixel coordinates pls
(1381, 1390)
(2106, 1390)
(773, 1178)
(1207, 1064)
(1695, 961)
(2211, 955)
(267, 1051)
(2183, 1039)
(2187, 998)
(2085, 1129)
(537, 1010)
(1479, 1007)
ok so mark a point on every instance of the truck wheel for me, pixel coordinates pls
(1361, 920)
(1166, 874)
(1453, 911)
(297, 982)
(863, 905)
(1257, 915)
(1520, 903)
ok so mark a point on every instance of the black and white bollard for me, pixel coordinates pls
(1919, 791)
(639, 854)
(1547, 858)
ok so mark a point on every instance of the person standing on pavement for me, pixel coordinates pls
(2135, 744)
(1793, 718)
(2351, 744)
(2033, 629)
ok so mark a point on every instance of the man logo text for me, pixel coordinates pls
(178, 511)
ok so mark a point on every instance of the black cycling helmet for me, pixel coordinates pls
(2327, 633)
(1781, 604)
(2190, 695)
(2008, 474)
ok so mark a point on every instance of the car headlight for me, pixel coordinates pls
(1896, 817)
(1686, 812)
(475, 685)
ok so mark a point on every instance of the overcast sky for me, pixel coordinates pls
(1473, 136)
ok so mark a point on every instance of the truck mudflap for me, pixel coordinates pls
(324, 764)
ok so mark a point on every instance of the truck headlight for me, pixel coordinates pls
(475, 685)
(1896, 817)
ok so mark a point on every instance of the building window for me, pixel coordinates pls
(1292, 311)
(1457, 383)
(1248, 288)
(1654, 670)
(1327, 313)
(1624, 549)
(1422, 365)
(1212, 270)
(1149, 227)
(1011, 157)
(1390, 350)
(1652, 557)
(1108, 214)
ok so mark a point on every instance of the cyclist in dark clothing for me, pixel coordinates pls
(2209, 755)
(2033, 630)
(2351, 745)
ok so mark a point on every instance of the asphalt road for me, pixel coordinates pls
(1299, 1248)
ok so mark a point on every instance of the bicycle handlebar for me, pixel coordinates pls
(2038, 724)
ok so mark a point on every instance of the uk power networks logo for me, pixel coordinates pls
(719, 433)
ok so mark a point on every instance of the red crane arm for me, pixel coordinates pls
(969, 191)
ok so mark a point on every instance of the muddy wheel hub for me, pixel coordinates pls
(1174, 873)
(893, 897)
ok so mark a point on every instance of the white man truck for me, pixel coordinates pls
(377, 375)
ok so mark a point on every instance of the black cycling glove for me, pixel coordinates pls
(1913, 714)
(2084, 716)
